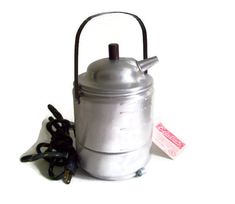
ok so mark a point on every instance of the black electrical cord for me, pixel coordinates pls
(60, 151)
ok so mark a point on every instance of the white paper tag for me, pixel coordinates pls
(167, 141)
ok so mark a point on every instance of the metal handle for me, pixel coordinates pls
(76, 49)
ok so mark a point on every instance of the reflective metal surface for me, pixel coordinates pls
(113, 117)
(121, 76)
(114, 125)
(114, 134)
(114, 166)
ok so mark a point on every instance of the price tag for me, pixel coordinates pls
(167, 141)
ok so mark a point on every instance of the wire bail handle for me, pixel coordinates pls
(77, 38)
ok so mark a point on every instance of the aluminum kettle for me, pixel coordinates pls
(113, 111)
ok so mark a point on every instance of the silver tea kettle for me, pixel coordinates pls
(113, 111)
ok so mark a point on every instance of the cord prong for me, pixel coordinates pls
(67, 176)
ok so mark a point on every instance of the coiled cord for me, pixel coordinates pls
(60, 151)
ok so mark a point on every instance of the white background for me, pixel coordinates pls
(194, 94)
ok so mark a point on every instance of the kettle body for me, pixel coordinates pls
(113, 115)
(114, 134)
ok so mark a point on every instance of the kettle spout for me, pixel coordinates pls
(145, 64)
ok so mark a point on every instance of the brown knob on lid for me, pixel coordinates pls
(113, 51)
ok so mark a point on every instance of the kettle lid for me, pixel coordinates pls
(114, 75)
